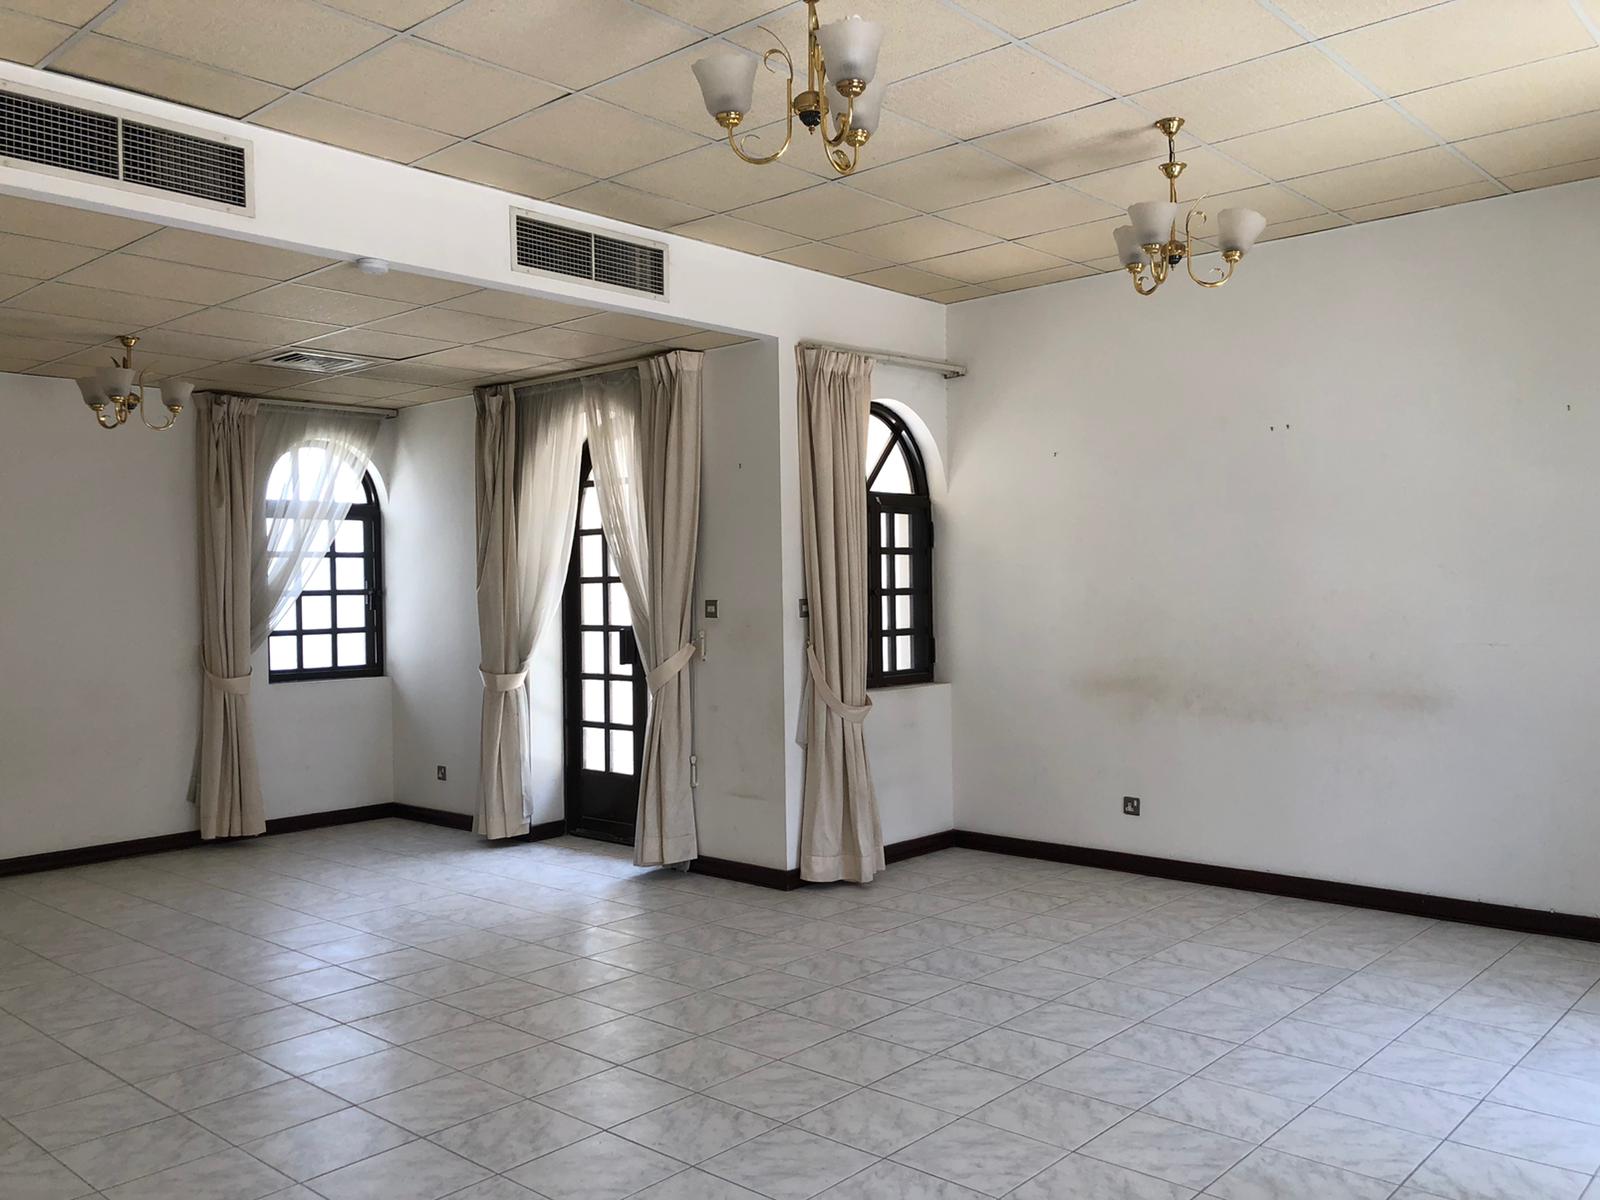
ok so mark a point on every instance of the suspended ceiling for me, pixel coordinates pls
(1017, 130)
(204, 307)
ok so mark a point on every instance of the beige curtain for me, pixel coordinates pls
(840, 835)
(227, 782)
(644, 441)
(528, 452)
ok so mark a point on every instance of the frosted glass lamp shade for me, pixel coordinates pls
(1238, 228)
(1129, 249)
(1152, 220)
(868, 110)
(850, 48)
(175, 393)
(727, 81)
(115, 381)
(89, 388)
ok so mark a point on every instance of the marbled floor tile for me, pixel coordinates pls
(1438, 1069)
(1401, 1105)
(1177, 1153)
(52, 1086)
(1116, 1080)
(1270, 1175)
(1231, 1111)
(142, 1150)
(426, 1108)
(986, 1005)
(840, 1007)
(686, 1185)
(28, 1173)
(922, 1029)
(856, 1058)
(1504, 1046)
(415, 1171)
(946, 1084)
(1457, 1172)
(1211, 1019)
(1012, 1053)
(875, 1122)
(979, 1156)
(1063, 1022)
(1083, 1178)
(1047, 1114)
(695, 1128)
(780, 1091)
(1320, 1043)
(1276, 1074)
(1554, 1141)
(1161, 1046)
(327, 1143)
(1353, 1144)
(1557, 1095)
(787, 1164)
(96, 1116)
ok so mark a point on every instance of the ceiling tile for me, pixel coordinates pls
(249, 377)
(591, 136)
(713, 177)
(510, 306)
(1454, 41)
(459, 96)
(396, 285)
(944, 178)
(826, 211)
(990, 91)
(49, 349)
(1020, 214)
(1285, 229)
(831, 260)
(17, 365)
(127, 312)
(324, 121)
(631, 205)
(1016, 283)
(990, 262)
(502, 169)
(1139, 46)
(1097, 138)
(631, 328)
(420, 374)
(668, 91)
(124, 272)
(37, 258)
(709, 340)
(1337, 140)
(359, 386)
(737, 235)
(157, 366)
(482, 360)
(916, 37)
(289, 42)
(1535, 147)
(912, 281)
(561, 343)
(1207, 172)
(200, 346)
(376, 344)
(430, 395)
(1525, 95)
(1277, 89)
(249, 327)
(88, 330)
(1275, 203)
(227, 254)
(27, 39)
(319, 304)
(1551, 176)
(1080, 243)
(1323, 18)
(140, 69)
(396, 14)
(1426, 200)
(1024, 18)
(1387, 179)
(11, 285)
(570, 44)
(71, 12)
(714, 16)
(449, 324)
(60, 223)
(918, 237)
(898, 137)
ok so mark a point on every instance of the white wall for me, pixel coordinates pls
(1306, 562)
(99, 665)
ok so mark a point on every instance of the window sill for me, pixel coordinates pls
(892, 688)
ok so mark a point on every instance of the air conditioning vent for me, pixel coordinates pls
(585, 254)
(318, 362)
(35, 128)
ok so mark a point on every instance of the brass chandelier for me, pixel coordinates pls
(841, 63)
(1149, 246)
(121, 389)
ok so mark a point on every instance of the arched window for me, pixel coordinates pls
(899, 555)
(334, 629)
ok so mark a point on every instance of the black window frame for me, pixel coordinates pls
(882, 509)
(370, 515)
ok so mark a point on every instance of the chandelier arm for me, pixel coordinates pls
(844, 163)
(100, 416)
(1223, 273)
(844, 129)
(172, 413)
(761, 160)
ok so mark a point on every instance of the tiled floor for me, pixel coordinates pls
(391, 1011)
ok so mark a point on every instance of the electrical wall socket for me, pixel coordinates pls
(1130, 805)
(439, 771)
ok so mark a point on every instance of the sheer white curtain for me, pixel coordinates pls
(529, 449)
(312, 485)
(644, 442)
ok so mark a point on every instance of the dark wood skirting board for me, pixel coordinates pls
(742, 872)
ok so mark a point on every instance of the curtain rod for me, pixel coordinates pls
(382, 414)
(949, 370)
(607, 369)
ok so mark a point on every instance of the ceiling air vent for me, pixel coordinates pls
(318, 362)
(577, 253)
(38, 129)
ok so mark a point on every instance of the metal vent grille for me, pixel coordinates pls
(182, 163)
(580, 254)
(58, 135)
(36, 129)
(315, 361)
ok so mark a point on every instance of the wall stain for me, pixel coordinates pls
(1283, 693)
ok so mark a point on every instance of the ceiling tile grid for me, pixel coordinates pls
(207, 308)
(1014, 129)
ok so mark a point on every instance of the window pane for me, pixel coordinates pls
(352, 649)
(317, 651)
(594, 700)
(593, 607)
(622, 751)
(894, 477)
(902, 529)
(618, 667)
(904, 657)
(351, 574)
(884, 527)
(321, 579)
(619, 614)
(351, 538)
(589, 510)
(316, 612)
(594, 653)
(621, 703)
(592, 563)
(594, 749)
(886, 614)
(352, 613)
(902, 612)
(278, 483)
(281, 654)
(888, 654)
(902, 570)
(878, 435)
(288, 621)
(886, 570)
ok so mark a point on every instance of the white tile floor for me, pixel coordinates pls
(392, 1011)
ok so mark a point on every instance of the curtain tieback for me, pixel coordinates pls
(229, 685)
(853, 714)
(668, 671)
(495, 682)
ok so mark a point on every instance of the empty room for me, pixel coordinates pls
(799, 600)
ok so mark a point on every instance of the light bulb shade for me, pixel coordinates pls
(1238, 228)
(868, 109)
(850, 48)
(1152, 220)
(89, 388)
(727, 81)
(115, 381)
(1129, 249)
(175, 393)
